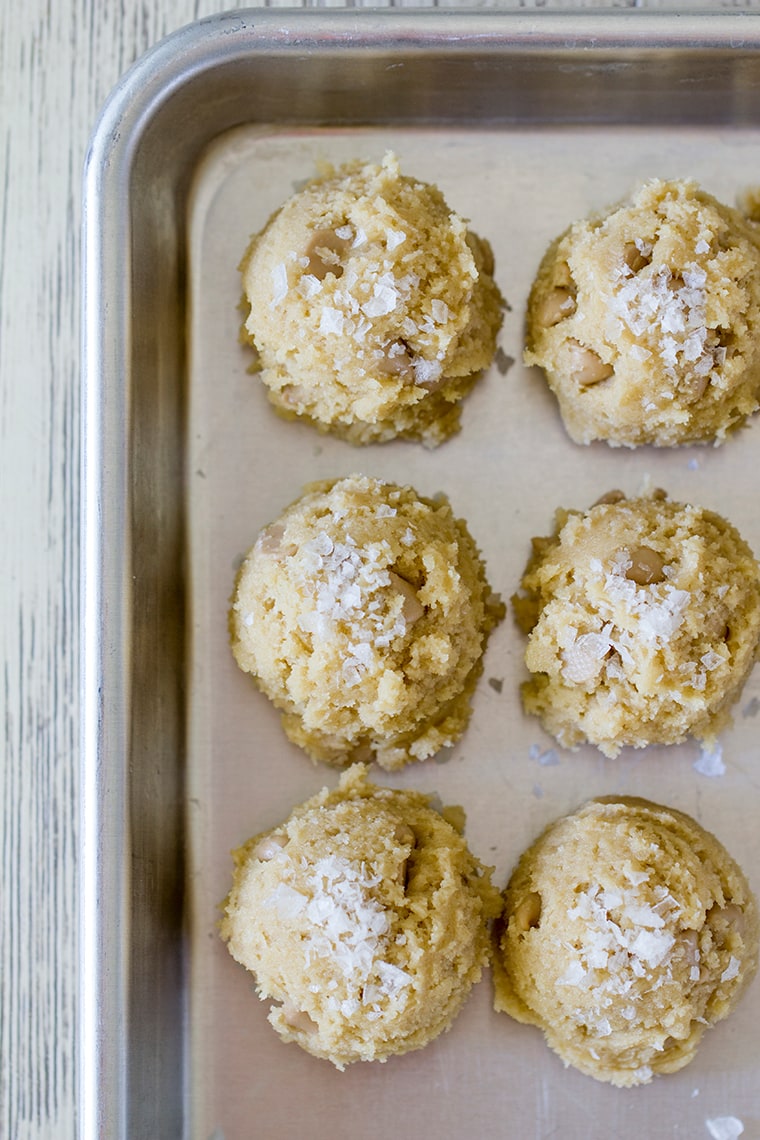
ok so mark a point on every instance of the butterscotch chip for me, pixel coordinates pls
(645, 933)
(364, 918)
(643, 623)
(363, 613)
(646, 320)
(371, 305)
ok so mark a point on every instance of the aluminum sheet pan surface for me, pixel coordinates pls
(506, 471)
(186, 461)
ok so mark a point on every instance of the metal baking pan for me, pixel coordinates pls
(526, 121)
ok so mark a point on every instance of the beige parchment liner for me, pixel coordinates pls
(505, 473)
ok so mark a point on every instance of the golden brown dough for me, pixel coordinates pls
(363, 613)
(627, 931)
(372, 307)
(646, 320)
(643, 623)
(364, 918)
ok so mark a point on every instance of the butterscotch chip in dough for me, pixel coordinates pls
(643, 623)
(646, 320)
(371, 305)
(363, 613)
(627, 931)
(364, 918)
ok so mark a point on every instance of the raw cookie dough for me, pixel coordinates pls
(646, 320)
(364, 917)
(627, 931)
(643, 618)
(363, 613)
(372, 307)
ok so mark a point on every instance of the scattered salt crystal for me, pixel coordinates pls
(309, 286)
(331, 321)
(547, 758)
(695, 277)
(644, 916)
(426, 371)
(652, 946)
(710, 762)
(383, 300)
(583, 660)
(724, 1127)
(344, 232)
(638, 352)
(323, 545)
(279, 284)
(731, 970)
(702, 246)
(394, 238)
(440, 311)
(288, 901)
(693, 465)
(574, 974)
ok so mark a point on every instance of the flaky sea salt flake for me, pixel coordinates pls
(279, 284)
(710, 762)
(724, 1127)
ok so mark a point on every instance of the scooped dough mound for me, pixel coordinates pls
(364, 918)
(627, 931)
(372, 307)
(646, 320)
(643, 622)
(363, 613)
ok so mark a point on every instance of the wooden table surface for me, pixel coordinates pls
(58, 63)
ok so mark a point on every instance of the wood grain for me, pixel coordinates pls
(58, 61)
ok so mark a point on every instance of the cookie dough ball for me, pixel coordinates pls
(646, 321)
(643, 618)
(627, 931)
(363, 613)
(364, 918)
(371, 305)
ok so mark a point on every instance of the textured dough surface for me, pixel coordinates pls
(363, 613)
(364, 918)
(372, 307)
(643, 618)
(627, 931)
(646, 321)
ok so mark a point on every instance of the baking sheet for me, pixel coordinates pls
(505, 473)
